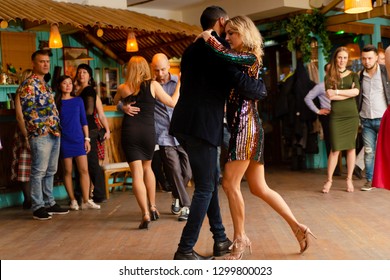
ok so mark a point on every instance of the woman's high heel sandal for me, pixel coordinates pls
(145, 222)
(155, 215)
(350, 187)
(238, 248)
(327, 186)
(303, 238)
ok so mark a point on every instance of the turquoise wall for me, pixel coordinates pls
(100, 60)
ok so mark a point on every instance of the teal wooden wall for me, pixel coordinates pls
(100, 60)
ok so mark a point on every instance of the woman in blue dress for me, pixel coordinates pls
(75, 141)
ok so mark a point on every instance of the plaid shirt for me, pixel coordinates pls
(21, 162)
(100, 146)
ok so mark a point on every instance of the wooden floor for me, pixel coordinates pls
(349, 226)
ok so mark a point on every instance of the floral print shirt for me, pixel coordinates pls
(39, 109)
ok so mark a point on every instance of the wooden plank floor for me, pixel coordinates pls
(349, 226)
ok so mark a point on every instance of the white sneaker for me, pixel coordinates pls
(74, 205)
(175, 207)
(185, 211)
(89, 205)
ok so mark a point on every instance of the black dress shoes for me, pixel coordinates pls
(190, 256)
(222, 247)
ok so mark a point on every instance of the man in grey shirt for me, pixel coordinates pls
(373, 100)
(174, 158)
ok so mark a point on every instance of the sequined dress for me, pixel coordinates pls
(247, 134)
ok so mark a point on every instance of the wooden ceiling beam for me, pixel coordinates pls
(382, 11)
(353, 27)
(385, 31)
(330, 6)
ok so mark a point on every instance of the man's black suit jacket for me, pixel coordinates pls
(206, 81)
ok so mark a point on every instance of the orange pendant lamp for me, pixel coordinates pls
(357, 6)
(131, 44)
(55, 41)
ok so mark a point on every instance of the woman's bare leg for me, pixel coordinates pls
(258, 186)
(351, 160)
(82, 166)
(150, 182)
(139, 188)
(68, 180)
(332, 162)
(231, 184)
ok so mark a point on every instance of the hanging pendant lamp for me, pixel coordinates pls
(131, 44)
(55, 41)
(357, 6)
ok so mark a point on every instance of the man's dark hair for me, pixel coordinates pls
(210, 16)
(39, 52)
(370, 48)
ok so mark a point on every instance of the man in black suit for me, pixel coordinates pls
(197, 123)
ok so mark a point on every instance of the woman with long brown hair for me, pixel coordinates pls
(342, 85)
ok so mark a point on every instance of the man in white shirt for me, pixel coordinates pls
(373, 100)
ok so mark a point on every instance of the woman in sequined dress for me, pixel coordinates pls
(246, 146)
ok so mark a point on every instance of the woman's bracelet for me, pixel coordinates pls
(87, 139)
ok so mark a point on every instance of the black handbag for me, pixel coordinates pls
(101, 133)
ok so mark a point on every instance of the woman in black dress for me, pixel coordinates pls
(138, 132)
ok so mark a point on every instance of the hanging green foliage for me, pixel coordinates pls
(301, 28)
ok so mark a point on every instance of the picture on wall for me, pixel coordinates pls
(72, 58)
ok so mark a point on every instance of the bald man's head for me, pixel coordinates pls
(160, 68)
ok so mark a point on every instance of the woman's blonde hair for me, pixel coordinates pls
(138, 71)
(251, 38)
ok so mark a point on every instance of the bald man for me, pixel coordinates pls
(174, 158)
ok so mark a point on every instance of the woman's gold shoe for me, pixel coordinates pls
(303, 238)
(238, 248)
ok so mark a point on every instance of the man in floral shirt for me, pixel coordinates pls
(43, 131)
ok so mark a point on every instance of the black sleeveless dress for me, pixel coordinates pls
(138, 133)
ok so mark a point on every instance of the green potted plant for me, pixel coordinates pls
(300, 30)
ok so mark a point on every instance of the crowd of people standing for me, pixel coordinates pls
(184, 116)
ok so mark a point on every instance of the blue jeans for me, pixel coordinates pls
(44, 161)
(370, 135)
(203, 161)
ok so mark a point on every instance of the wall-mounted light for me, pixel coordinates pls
(55, 41)
(4, 24)
(357, 6)
(131, 44)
